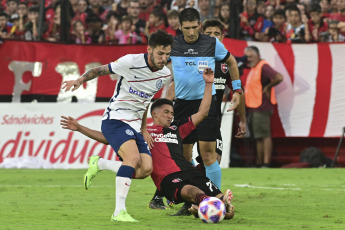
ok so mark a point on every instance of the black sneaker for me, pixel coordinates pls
(183, 210)
(157, 203)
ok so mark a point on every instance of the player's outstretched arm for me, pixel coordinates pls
(73, 125)
(89, 75)
(206, 100)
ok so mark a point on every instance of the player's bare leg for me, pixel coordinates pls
(188, 152)
(209, 157)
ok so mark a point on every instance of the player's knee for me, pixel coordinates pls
(147, 169)
(209, 158)
(135, 160)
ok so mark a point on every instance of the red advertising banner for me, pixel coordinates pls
(311, 99)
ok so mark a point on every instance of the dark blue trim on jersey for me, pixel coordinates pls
(147, 61)
(118, 87)
(226, 57)
(109, 67)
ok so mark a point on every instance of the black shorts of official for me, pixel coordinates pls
(172, 184)
(208, 129)
(219, 147)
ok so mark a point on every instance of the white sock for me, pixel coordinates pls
(104, 164)
(122, 187)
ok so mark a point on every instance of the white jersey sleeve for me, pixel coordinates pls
(121, 66)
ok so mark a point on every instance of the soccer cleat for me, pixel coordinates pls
(227, 197)
(171, 203)
(157, 203)
(183, 211)
(123, 216)
(92, 171)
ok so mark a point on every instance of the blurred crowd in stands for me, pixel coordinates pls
(132, 21)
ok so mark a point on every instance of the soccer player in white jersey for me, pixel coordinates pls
(141, 76)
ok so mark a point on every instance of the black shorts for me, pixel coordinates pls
(172, 184)
(208, 129)
(219, 146)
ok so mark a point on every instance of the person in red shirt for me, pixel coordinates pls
(155, 22)
(315, 28)
(173, 22)
(176, 178)
(5, 29)
(251, 21)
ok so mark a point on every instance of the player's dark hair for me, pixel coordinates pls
(315, 8)
(160, 38)
(212, 23)
(255, 49)
(159, 102)
(189, 15)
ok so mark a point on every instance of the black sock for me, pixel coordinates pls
(157, 195)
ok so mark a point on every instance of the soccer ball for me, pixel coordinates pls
(211, 210)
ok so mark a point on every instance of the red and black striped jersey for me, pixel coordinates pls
(167, 153)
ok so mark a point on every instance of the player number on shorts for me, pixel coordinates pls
(209, 184)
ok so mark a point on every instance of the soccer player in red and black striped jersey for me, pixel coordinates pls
(172, 174)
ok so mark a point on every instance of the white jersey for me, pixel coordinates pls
(134, 89)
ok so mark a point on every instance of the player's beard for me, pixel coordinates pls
(152, 59)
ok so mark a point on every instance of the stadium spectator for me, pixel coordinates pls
(138, 24)
(124, 35)
(96, 7)
(123, 124)
(79, 33)
(146, 6)
(315, 28)
(12, 7)
(267, 23)
(54, 27)
(74, 5)
(23, 11)
(173, 28)
(108, 4)
(261, 7)
(224, 18)
(121, 8)
(179, 5)
(31, 27)
(325, 8)
(5, 29)
(277, 32)
(113, 24)
(81, 11)
(94, 28)
(155, 22)
(204, 10)
(260, 99)
(295, 30)
(334, 34)
(251, 21)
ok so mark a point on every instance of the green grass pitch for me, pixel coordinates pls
(263, 199)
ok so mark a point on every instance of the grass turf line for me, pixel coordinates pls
(263, 198)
